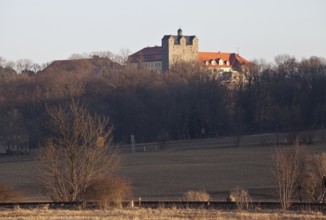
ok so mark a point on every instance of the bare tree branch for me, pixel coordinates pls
(285, 169)
(80, 151)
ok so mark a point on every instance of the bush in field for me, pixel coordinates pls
(286, 169)
(315, 171)
(297, 171)
(198, 196)
(9, 194)
(241, 197)
(107, 191)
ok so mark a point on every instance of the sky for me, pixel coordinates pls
(47, 30)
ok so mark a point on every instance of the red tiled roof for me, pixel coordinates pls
(213, 56)
(241, 59)
(232, 58)
(153, 54)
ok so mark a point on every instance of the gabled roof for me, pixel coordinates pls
(86, 65)
(149, 51)
(213, 56)
(177, 38)
(233, 58)
(151, 54)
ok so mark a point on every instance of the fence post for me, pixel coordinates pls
(132, 204)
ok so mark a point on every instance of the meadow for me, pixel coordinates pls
(148, 214)
(167, 172)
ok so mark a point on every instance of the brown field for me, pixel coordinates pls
(148, 214)
(213, 165)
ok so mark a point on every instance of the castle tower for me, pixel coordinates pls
(178, 48)
(180, 32)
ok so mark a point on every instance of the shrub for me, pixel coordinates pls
(197, 196)
(241, 197)
(9, 194)
(315, 170)
(285, 168)
(107, 191)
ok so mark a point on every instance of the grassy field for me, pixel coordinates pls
(148, 214)
(213, 165)
(169, 174)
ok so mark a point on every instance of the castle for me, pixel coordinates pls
(180, 48)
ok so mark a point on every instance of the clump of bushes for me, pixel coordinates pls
(107, 191)
(9, 193)
(241, 197)
(197, 196)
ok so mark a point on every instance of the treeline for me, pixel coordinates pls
(186, 103)
(27, 66)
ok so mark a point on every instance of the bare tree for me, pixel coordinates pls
(122, 56)
(10, 64)
(23, 64)
(79, 152)
(285, 169)
(106, 54)
(124, 53)
(3, 61)
(302, 175)
(35, 67)
(315, 172)
(78, 56)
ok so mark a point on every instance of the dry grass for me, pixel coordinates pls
(147, 214)
(9, 194)
(107, 191)
(212, 164)
(242, 198)
(168, 174)
(198, 196)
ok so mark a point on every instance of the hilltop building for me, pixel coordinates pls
(181, 48)
(177, 48)
(147, 58)
(96, 65)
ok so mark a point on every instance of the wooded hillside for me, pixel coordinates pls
(183, 104)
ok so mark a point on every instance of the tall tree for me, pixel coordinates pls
(79, 151)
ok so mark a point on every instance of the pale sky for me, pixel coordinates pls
(46, 30)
